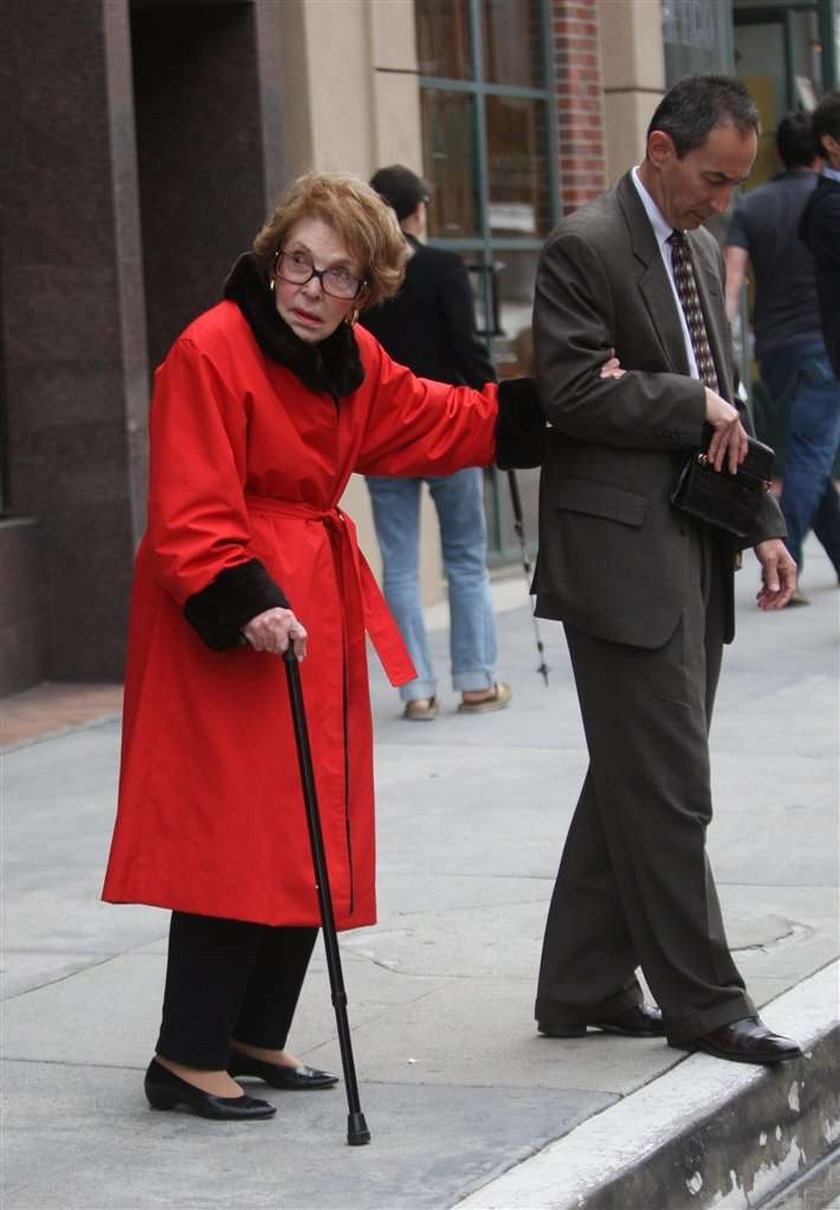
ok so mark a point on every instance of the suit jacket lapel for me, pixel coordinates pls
(654, 286)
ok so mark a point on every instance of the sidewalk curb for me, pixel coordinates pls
(712, 1134)
(97, 720)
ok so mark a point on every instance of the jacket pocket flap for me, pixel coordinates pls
(599, 500)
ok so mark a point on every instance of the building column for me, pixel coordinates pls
(71, 297)
(634, 77)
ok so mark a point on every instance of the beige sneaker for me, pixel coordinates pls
(797, 598)
(423, 710)
(497, 698)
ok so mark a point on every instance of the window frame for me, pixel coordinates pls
(485, 247)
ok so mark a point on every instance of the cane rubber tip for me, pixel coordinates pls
(357, 1131)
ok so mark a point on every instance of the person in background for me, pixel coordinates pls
(789, 346)
(429, 326)
(263, 408)
(820, 228)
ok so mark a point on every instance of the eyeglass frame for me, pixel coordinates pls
(319, 273)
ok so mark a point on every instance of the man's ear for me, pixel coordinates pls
(660, 147)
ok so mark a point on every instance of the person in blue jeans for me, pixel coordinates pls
(802, 381)
(789, 345)
(430, 327)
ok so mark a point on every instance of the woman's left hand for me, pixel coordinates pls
(274, 629)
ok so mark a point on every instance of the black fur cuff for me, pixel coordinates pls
(520, 426)
(236, 595)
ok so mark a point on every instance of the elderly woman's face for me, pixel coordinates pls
(312, 312)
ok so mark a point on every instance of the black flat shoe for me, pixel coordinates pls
(746, 1041)
(641, 1021)
(288, 1078)
(165, 1090)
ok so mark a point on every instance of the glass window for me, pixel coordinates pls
(697, 37)
(513, 42)
(513, 290)
(449, 162)
(489, 154)
(517, 166)
(443, 38)
(777, 56)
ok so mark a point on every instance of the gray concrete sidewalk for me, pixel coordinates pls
(463, 1099)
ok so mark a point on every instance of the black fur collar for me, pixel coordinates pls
(333, 365)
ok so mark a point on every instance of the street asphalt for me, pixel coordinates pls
(465, 1102)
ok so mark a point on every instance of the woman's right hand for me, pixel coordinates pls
(274, 629)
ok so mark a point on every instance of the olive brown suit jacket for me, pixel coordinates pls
(615, 557)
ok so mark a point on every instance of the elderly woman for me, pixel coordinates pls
(262, 410)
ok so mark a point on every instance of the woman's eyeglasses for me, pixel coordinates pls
(297, 269)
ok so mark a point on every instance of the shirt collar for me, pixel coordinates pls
(661, 227)
(833, 174)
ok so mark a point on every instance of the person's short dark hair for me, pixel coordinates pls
(795, 142)
(401, 188)
(696, 105)
(826, 120)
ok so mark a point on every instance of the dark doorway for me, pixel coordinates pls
(199, 152)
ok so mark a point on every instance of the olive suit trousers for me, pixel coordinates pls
(635, 887)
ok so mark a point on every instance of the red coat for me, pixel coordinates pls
(248, 463)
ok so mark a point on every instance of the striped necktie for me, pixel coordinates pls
(690, 299)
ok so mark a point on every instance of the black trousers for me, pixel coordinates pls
(635, 887)
(229, 979)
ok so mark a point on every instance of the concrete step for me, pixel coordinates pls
(705, 1134)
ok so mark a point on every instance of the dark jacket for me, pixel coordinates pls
(430, 325)
(820, 230)
(614, 555)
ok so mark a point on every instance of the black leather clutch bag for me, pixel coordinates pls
(720, 498)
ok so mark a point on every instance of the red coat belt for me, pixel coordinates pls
(365, 606)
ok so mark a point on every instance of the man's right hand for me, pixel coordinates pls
(729, 438)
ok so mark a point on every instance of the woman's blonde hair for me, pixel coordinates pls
(366, 224)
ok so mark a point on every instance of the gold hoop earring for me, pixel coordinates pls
(352, 318)
(271, 285)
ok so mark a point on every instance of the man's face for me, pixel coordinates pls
(831, 147)
(690, 190)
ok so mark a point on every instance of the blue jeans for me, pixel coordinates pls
(800, 379)
(459, 502)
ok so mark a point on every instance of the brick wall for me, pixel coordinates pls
(580, 108)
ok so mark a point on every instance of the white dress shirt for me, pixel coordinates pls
(662, 230)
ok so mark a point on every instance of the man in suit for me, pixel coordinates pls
(820, 228)
(430, 327)
(644, 591)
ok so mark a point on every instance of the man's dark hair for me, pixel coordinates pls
(697, 104)
(795, 141)
(826, 120)
(401, 188)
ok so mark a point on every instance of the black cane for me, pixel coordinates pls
(519, 526)
(357, 1131)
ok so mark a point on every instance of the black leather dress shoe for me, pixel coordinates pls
(289, 1078)
(746, 1041)
(165, 1090)
(641, 1021)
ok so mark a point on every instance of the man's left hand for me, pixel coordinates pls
(778, 574)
